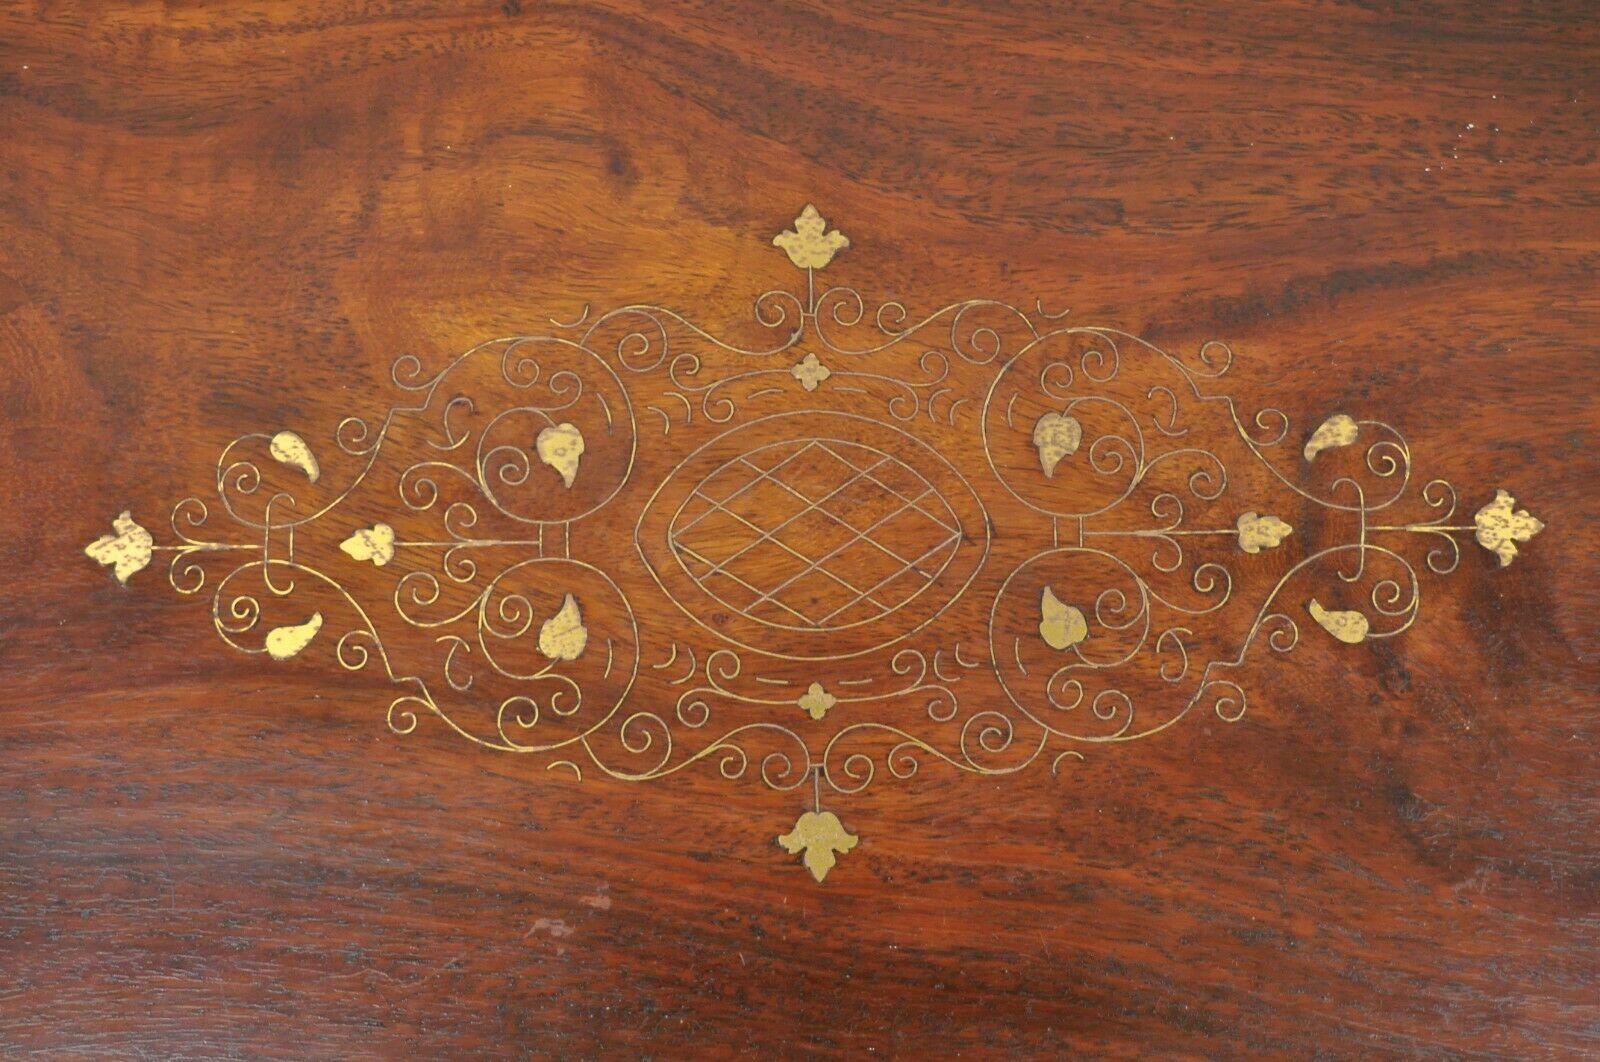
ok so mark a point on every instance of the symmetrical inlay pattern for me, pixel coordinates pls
(816, 526)
(813, 501)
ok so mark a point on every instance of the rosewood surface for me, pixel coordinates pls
(217, 219)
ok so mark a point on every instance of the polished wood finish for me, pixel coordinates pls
(232, 218)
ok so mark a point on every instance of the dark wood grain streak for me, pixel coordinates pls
(217, 217)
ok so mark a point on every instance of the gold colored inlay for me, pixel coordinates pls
(826, 514)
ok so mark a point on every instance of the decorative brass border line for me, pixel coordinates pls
(571, 396)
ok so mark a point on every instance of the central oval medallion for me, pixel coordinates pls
(815, 535)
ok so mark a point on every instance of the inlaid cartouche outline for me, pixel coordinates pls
(807, 423)
(536, 434)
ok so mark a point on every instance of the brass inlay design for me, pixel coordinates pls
(127, 551)
(816, 701)
(1056, 435)
(810, 548)
(819, 834)
(1060, 625)
(825, 553)
(1500, 528)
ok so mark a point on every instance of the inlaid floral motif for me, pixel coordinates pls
(810, 245)
(810, 372)
(817, 701)
(1500, 527)
(126, 551)
(833, 605)
(822, 838)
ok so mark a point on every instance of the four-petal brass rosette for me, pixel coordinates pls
(814, 501)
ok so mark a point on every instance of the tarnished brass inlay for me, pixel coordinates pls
(816, 507)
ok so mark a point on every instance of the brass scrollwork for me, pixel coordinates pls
(828, 513)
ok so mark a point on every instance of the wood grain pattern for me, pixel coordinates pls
(219, 218)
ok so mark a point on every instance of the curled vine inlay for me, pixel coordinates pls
(810, 506)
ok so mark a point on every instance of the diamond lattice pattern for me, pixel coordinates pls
(815, 534)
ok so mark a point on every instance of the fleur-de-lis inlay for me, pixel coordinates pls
(819, 834)
(1500, 526)
(375, 544)
(809, 244)
(126, 552)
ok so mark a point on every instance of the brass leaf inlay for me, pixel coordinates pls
(126, 552)
(1060, 625)
(1348, 627)
(1500, 526)
(561, 446)
(820, 835)
(284, 642)
(809, 245)
(563, 635)
(289, 449)
(1338, 430)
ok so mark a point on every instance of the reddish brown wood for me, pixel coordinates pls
(215, 219)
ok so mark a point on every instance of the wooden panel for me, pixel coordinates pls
(232, 220)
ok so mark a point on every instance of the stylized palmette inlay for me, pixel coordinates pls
(814, 502)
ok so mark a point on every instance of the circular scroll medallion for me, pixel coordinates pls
(814, 535)
(557, 649)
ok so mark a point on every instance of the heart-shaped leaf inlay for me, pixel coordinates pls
(1055, 436)
(560, 447)
(1060, 625)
